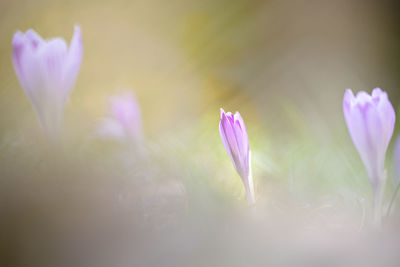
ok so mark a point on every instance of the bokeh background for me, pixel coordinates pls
(283, 64)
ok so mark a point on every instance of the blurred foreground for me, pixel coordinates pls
(97, 204)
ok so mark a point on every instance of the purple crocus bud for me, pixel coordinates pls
(236, 142)
(47, 70)
(370, 120)
(124, 119)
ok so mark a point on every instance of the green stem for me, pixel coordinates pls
(250, 186)
(392, 200)
(378, 197)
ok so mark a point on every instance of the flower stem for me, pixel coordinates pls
(378, 199)
(250, 197)
(250, 186)
(392, 200)
(377, 210)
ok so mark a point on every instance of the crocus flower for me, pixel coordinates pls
(370, 120)
(236, 142)
(47, 70)
(124, 119)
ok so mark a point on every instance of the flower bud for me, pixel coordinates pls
(236, 142)
(124, 119)
(370, 120)
(47, 70)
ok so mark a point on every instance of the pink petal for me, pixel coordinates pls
(74, 60)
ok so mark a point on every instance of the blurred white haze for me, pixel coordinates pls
(177, 201)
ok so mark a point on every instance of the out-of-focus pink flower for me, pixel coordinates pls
(124, 119)
(236, 142)
(370, 120)
(47, 70)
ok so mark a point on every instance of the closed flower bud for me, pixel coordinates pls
(370, 120)
(124, 120)
(47, 70)
(236, 142)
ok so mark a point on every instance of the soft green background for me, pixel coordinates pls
(283, 64)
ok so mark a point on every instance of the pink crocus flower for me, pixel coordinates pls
(47, 70)
(236, 142)
(124, 119)
(370, 120)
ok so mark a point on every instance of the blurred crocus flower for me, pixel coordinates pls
(47, 70)
(124, 119)
(370, 120)
(236, 142)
